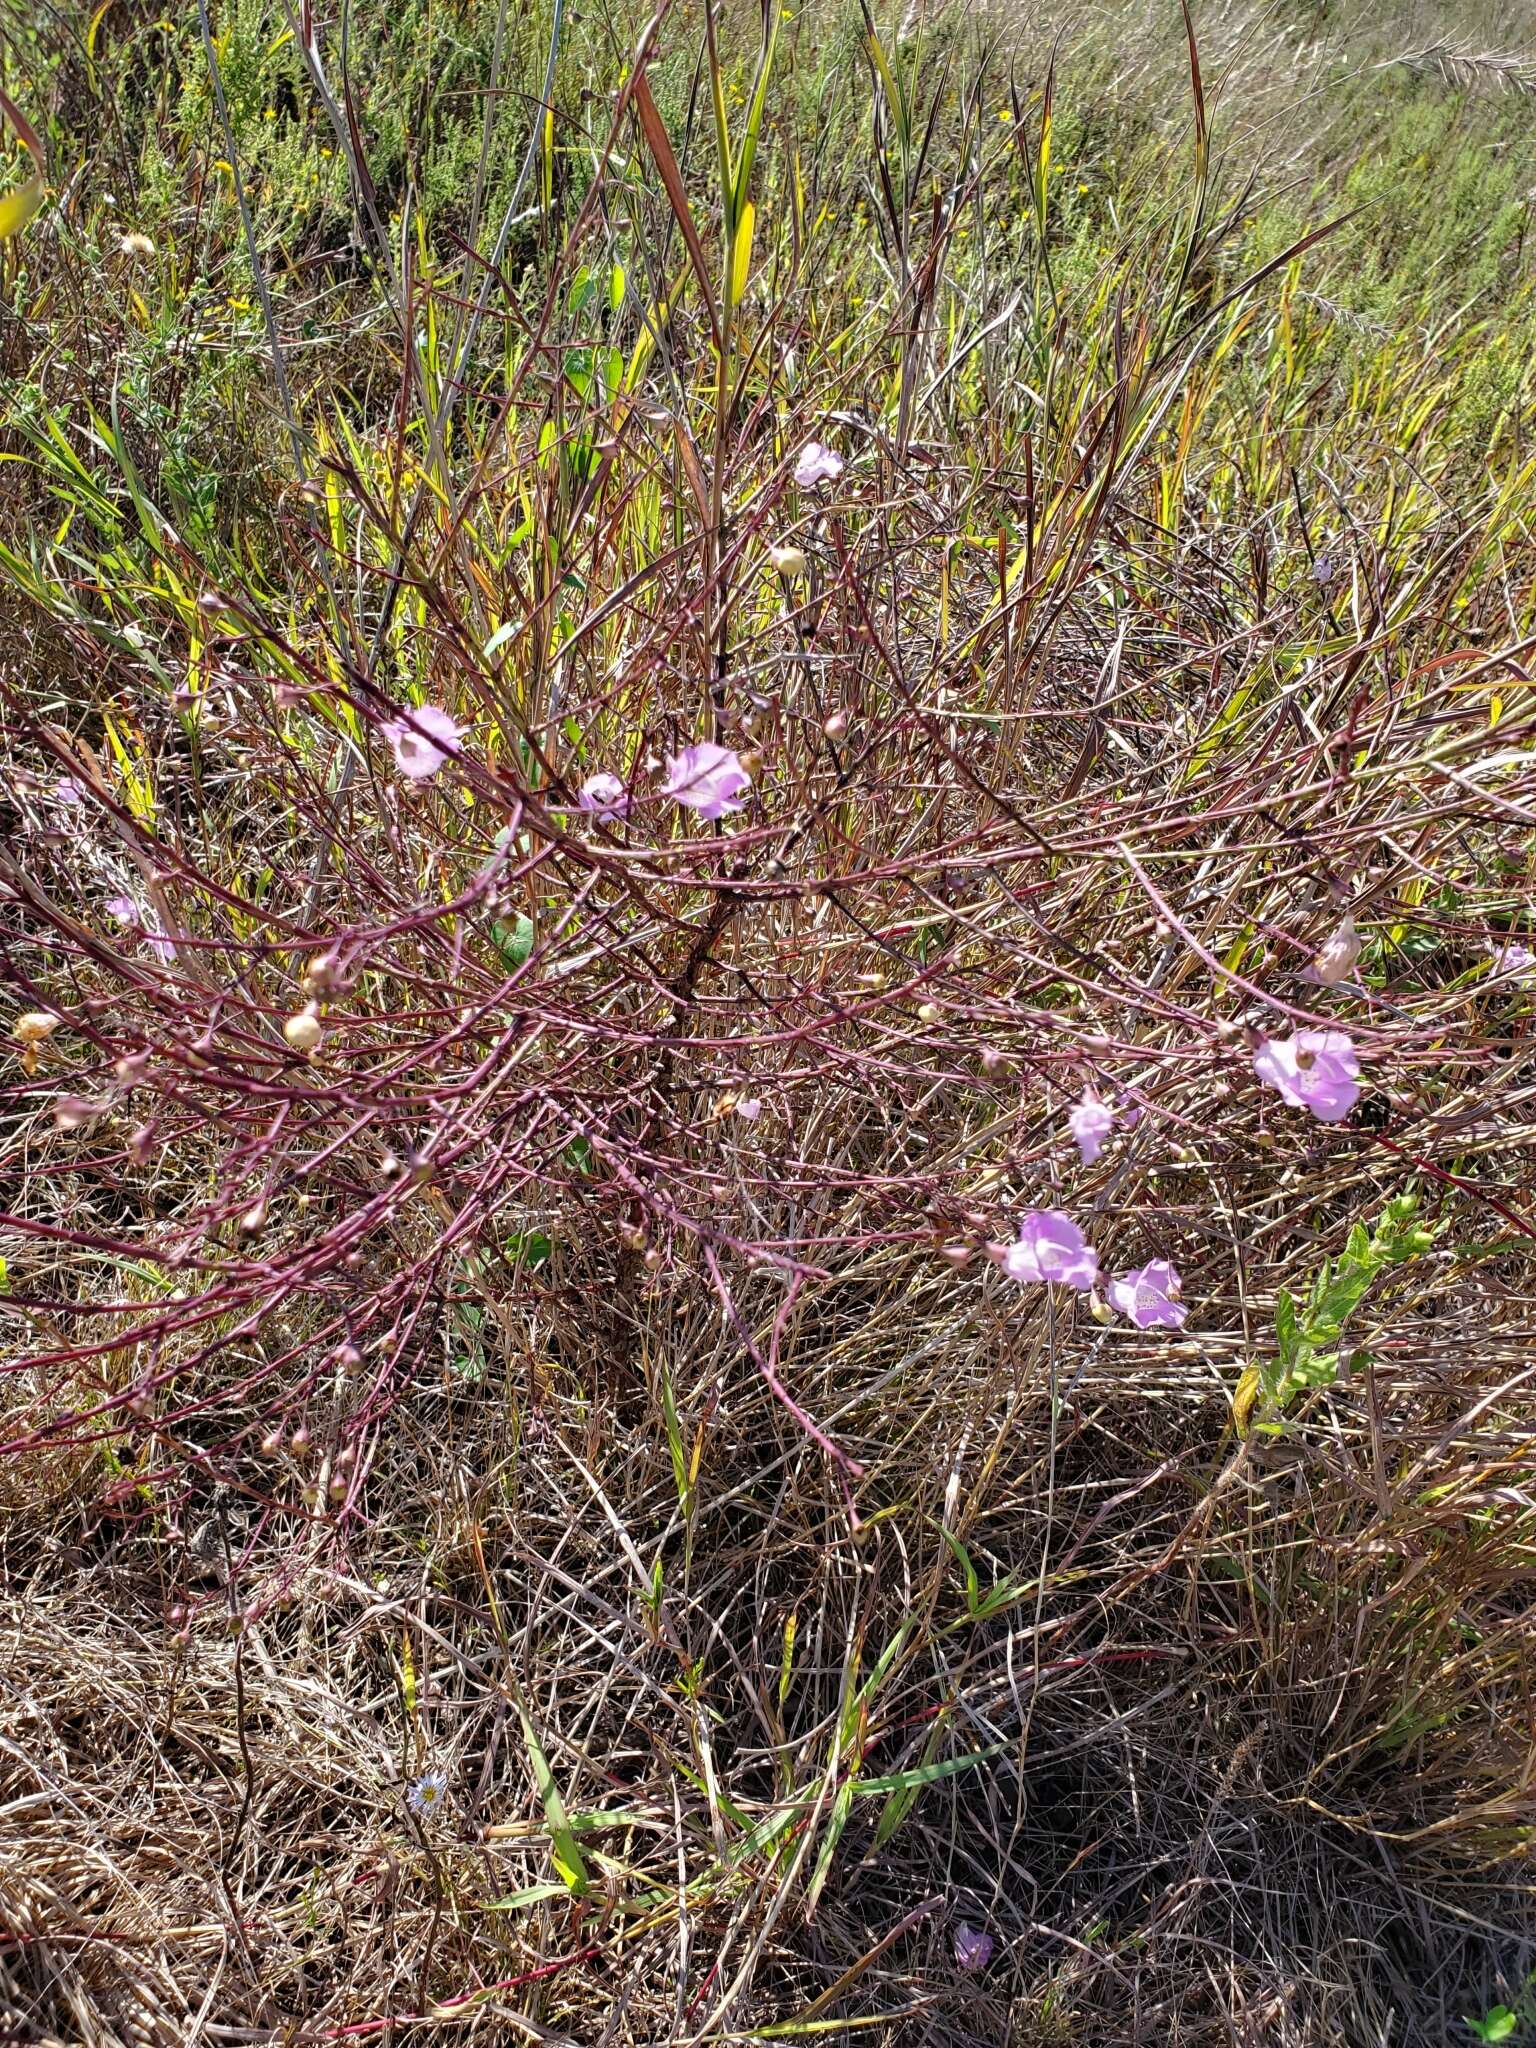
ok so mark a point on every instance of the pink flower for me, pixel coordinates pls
(422, 741)
(973, 1947)
(67, 791)
(1514, 959)
(1314, 1070)
(749, 1106)
(1050, 1247)
(817, 465)
(1149, 1295)
(707, 778)
(605, 796)
(123, 910)
(1090, 1123)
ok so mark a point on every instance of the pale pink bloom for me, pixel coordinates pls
(123, 910)
(422, 741)
(1090, 1122)
(605, 796)
(973, 1947)
(707, 778)
(1050, 1247)
(1149, 1295)
(73, 1112)
(1315, 1070)
(817, 465)
(749, 1106)
(67, 791)
(1336, 960)
(1514, 959)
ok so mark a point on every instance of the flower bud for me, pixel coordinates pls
(788, 559)
(1336, 959)
(303, 1031)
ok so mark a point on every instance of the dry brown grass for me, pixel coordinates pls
(483, 1395)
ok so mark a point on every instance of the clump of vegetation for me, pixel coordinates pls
(767, 907)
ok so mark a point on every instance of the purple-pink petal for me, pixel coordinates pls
(817, 464)
(707, 778)
(1050, 1249)
(1149, 1296)
(973, 1947)
(1514, 959)
(1090, 1122)
(422, 741)
(1315, 1070)
(605, 796)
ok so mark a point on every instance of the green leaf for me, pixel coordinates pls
(1285, 1328)
(514, 941)
(514, 1902)
(531, 1248)
(567, 1857)
(1498, 2024)
(19, 206)
(926, 1774)
(842, 1806)
(901, 1802)
(675, 1442)
(963, 1556)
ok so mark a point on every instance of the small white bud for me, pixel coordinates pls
(303, 1031)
